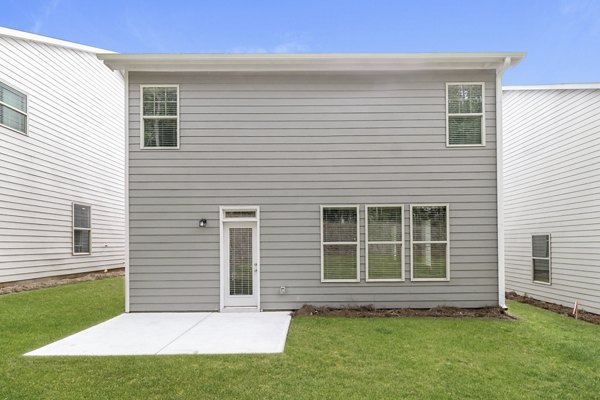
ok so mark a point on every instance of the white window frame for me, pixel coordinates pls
(549, 258)
(25, 113)
(357, 207)
(367, 242)
(74, 228)
(413, 242)
(481, 114)
(142, 116)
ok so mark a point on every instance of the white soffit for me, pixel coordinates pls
(557, 86)
(308, 62)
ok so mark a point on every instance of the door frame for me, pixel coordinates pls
(223, 251)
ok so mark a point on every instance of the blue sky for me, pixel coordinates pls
(561, 37)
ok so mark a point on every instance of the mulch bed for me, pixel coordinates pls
(15, 287)
(556, 308)
(370, 311)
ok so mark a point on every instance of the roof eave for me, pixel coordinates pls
(15, 34)
(306, 62)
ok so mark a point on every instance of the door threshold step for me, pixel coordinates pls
(240, 309)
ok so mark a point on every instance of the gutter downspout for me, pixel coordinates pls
(125, 74)
(500, 182)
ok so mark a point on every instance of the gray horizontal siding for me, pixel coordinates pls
(289, 143)
(552, 186)
(73, 153)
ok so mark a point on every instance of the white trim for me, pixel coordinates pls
(222, 255)
(309, 62)
(549, 258)
(142, 117)
(126, 125)
(73, 228)
(500, 182)
(402, 249)
(13, 33)
(25, 113)
(357, 207)
(556, 86)
(481, 114)
(447, 242)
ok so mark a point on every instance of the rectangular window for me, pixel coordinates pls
(13, 109)
(465, 114)
(540, 255)
(339, 244)
(82, 229)
(160, 117)
(384, 243)
(430, 255)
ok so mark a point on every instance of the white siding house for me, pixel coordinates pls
(61, 159)
(552, 192)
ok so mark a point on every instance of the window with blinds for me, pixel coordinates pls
(240, 262)
(384, 243)
(465, 114)
(82, 229)
(13, 109)
(540, 255)
(429, 240)
(339, 244)
(160, 117)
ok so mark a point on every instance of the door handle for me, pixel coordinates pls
(255, 267)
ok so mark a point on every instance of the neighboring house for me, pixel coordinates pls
(271, 181)
(61, 159)
(552, 192)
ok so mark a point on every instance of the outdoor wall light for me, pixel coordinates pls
(202, 223)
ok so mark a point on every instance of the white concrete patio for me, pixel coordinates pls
(177, 333)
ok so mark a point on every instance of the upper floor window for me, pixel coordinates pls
(13, 109)
(465, 114)
(160, 117)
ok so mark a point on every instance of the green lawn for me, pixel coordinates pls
(543, 355)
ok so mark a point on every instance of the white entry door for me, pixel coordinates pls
(241, 264)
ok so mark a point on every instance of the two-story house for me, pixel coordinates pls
(62, 208)
(269, 181)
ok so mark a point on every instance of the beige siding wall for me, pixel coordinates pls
(73, 153)
(289, 143)
(551, 176)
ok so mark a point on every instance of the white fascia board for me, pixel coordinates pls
(307, 62)
(12, 33)
(557, 86)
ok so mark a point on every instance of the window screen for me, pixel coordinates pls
(82, 229)
(429, 234)
(160, 117)
(465, 111)
(540, 253)
(339, 243)
(13, 109)
(384, 245)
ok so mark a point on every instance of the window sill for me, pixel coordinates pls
(159, 148)
(385, 280)
(464, 145)
(8, 128)
(430, 279)
(542, 283)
